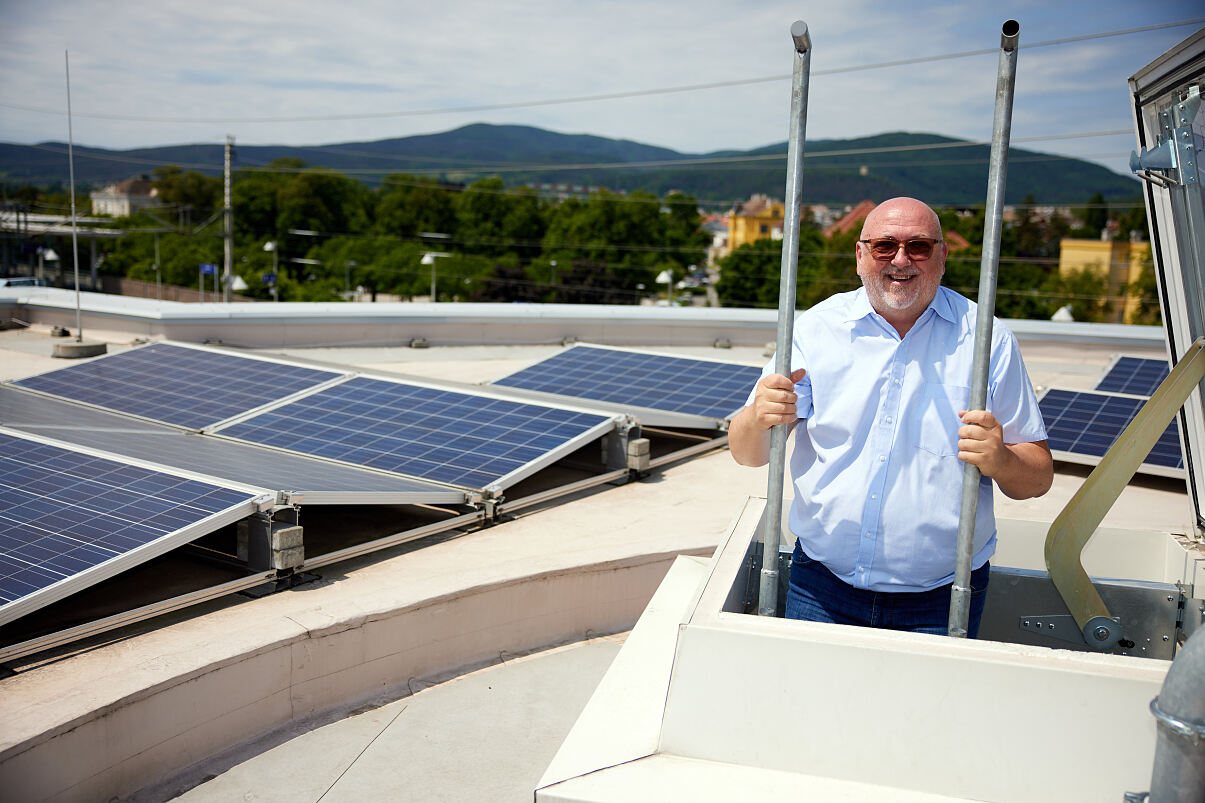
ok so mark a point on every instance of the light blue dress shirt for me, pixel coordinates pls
(878, 481)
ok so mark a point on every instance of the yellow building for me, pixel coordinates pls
(755, 219)
(1119, 261)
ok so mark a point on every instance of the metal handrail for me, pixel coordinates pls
(1077, 523)
(768, 589)
(1002, 122)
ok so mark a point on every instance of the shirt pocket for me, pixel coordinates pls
(937, 429)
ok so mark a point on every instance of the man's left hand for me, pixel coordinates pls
(981, 442)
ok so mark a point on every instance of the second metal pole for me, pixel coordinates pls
(960, 594)
(767, 604)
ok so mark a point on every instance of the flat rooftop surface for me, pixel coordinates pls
(488, 734)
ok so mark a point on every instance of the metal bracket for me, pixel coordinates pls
(1175, 156)
(1185, 730)
(1059, 626)
(1104, 633)
(1160, 157)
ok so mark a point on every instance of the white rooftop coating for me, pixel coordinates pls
(137, 710)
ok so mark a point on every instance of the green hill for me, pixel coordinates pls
(836, 171)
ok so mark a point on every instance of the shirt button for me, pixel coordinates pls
(889, 419)
(882, 458)
(874, 496)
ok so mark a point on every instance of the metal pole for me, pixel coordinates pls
(768, 593)
(960, 594)
(79, 329)
(228, 229)
(158, 278)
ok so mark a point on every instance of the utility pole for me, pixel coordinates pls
(228, 226)
(158, 280)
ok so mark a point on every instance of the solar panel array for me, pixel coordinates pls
(1089, 423)
(64, 512)
(677, 384)
(69, 518)
(1135, 375)
(186, 387)
(423, 432)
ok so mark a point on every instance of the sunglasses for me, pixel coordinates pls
(919, 249)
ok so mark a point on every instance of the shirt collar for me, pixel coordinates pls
(859, 306)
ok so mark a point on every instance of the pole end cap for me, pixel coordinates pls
(799, 33)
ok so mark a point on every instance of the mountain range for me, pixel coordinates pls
(942, 170)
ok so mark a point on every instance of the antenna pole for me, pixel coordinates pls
(960, 593)
(227, 226)
(768, 593)
(79, 327)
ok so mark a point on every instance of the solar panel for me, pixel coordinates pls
(187, 387)
(72, 518)
(423, 432)
(1087, 423)
(1138, 376)
(313, 481)
(662, 382)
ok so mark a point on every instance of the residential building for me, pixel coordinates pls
(756, 219)
(1119, 261)
(125, 197)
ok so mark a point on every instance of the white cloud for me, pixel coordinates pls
(227, 60)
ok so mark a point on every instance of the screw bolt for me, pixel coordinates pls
(1101, 633)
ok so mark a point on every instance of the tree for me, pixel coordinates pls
(255, 196)
(409, 205)
(1096, 215)
(508, 282)
(1146, 289)
(494, 221)
(751, 275)
(1131, 223)
(620, 240)
(201, 195)
(1085, 289)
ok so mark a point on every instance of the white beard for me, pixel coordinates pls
(882, 292)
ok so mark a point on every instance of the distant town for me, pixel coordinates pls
(302, 234)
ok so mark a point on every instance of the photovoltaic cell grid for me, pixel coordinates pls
(182, 386)
(677, 384)
(1135, 375)
(1089, 423)
(422, 432)
(63, 512)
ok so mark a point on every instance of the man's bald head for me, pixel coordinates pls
(902, 208)
(900, 286)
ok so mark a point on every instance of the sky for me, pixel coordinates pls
(293, 72)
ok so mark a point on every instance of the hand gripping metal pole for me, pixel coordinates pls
(960, 595)
(768, 593)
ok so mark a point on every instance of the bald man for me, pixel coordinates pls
(877, 401)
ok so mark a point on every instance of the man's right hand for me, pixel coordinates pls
(773, 403)
(774, 400)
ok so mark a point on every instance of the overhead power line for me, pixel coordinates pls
(601, 96)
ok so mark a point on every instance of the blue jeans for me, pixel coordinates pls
(817, 595)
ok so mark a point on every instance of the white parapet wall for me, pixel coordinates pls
(268, 325)
(750, 706)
